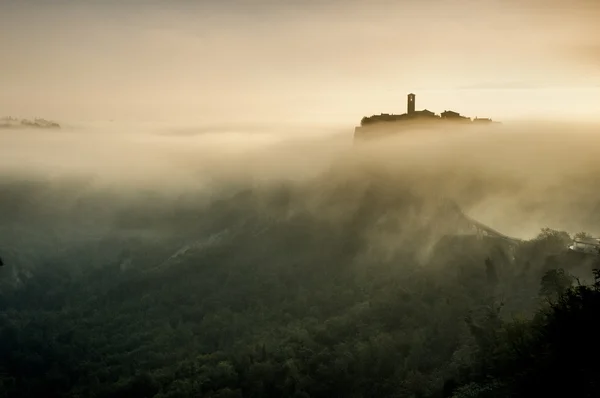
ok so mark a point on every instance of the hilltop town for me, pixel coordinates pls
(374, 126)
(13, 123)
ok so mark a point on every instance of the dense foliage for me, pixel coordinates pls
(551, 355)
(289, 294)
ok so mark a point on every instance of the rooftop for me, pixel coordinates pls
(413, 114)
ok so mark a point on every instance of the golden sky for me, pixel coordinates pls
(327, 61)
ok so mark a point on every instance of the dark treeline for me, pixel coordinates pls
(282, 293)
(11, 122)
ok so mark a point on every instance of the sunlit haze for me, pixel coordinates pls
(196, 202)
(326, 62)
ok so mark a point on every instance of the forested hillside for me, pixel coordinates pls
(282, 290)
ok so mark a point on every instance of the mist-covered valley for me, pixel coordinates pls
(161, 261)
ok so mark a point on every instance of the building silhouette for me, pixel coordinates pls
(410, 106)
(376, 125)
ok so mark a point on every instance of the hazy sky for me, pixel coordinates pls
(328, 61)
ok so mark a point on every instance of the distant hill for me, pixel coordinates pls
(12, 123)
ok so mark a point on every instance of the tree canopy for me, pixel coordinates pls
(277, 300)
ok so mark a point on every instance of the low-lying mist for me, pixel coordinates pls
(135, 257)
(518, 178)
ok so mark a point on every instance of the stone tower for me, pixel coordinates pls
(410, 104)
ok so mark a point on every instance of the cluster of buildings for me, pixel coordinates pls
(412, 118)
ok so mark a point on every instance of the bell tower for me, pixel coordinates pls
(410, 104)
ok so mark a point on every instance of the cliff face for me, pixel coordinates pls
(386, 124)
